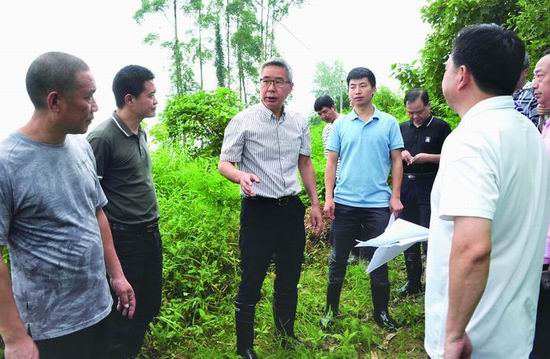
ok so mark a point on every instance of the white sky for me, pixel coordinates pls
(367, 33)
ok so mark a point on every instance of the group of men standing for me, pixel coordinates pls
(482, 188)
(79, 218)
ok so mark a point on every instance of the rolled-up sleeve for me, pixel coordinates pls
(233, 141)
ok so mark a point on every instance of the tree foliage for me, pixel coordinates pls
(196, 41)
(530, 19)
(331, 80)
(198, 120)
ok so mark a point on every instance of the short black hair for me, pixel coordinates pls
(546, 52)
(130, 80)
(323, 101)
(494, 56)
(361, 72)
(52, 71)
(416, 94)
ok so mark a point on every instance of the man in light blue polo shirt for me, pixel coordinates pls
(368, 143)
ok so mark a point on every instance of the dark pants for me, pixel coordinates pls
(541, 344)
(270, 231)
(415, 197)
(351, 224)
(88, 343)
(139, 249)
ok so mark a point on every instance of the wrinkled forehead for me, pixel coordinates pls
(543, 65)
(274, 71)
(84, 80)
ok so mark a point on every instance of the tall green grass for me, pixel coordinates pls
(199, 224)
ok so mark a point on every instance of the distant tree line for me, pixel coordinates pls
(236, 36)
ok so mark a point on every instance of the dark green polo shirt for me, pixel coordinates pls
(124, 171)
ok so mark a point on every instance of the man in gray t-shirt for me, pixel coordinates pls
(52, 222)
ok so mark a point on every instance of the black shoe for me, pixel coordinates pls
(409, 290)
(384, 320)
(247, 353)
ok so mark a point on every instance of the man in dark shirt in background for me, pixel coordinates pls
(423, 136)
(124, 171)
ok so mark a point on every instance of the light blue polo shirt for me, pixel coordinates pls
(364, 148)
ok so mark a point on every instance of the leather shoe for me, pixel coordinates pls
(247, 353)
(383, 319)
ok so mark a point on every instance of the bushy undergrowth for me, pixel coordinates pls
(199, 223)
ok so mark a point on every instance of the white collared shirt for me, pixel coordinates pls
(268, 147)
(493, 166)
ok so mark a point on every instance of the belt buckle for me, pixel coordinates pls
(283, 201)
(411, 177)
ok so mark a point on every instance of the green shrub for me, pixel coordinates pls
(390, 102)
(197, 120)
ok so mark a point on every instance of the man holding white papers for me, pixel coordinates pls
(490, 208)
(368, 143)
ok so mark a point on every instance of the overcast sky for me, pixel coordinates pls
(367, 33)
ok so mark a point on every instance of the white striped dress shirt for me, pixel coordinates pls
(269, 148)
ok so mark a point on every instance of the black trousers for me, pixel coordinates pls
(415, 197)
(351, 224)
(270, 230)
(140, 253)
(88, 343)
(541, 343)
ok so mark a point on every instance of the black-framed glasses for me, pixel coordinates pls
(266, 82)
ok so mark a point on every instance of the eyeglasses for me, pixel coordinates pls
(276, 82)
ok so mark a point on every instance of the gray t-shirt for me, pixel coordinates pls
(48, 200)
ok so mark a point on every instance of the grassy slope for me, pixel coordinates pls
(354, 336)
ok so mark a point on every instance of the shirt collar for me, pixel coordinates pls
(492, 103)
(122, 126)
(269, 114)
(375, 115)
(426, 123)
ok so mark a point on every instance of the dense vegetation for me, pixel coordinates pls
(200, 222)
(529, 18)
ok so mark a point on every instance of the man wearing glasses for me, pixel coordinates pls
(269, 144)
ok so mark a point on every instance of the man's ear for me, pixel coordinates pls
(53, 101)
(464, 77)
(128, 99)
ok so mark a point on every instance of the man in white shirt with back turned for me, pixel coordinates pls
(490, 208)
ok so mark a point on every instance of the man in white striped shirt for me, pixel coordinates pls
(270, 145)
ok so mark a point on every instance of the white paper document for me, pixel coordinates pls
(398, 236)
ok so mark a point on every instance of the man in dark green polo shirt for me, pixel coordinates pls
(124, 171)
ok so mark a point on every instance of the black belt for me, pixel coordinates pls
(148, 227)
(413, 176)
(281, 201)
